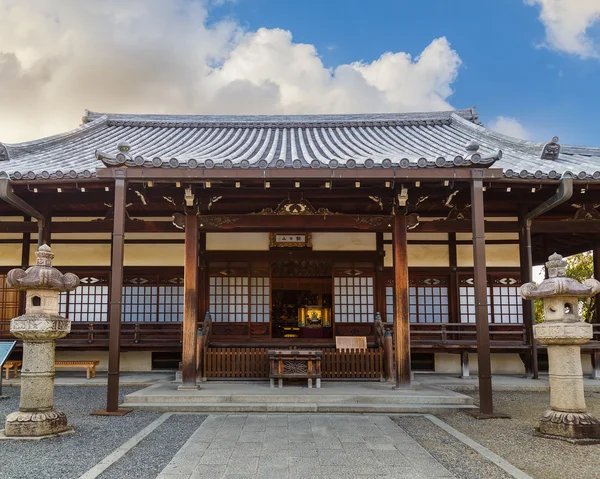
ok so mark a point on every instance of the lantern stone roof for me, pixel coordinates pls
(558, 284)
(447, 139)
(43, 275)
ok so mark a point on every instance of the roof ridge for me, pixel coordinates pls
(82, 129)
(469, 114)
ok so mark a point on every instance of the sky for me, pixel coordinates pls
(531, 67)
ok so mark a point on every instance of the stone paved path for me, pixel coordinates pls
(301, 446)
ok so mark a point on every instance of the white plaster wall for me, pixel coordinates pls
(427, 236)
(153, 254)
(435, 255)
(497, 255)
(586, 364)
(488, 236)
(155, 236)
(76, 236)
(344, 241)
(10, 254)
(130, 360)
(237, 241)
(77, 254)
(502, 363)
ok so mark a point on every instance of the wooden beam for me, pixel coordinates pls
(116, 285)
(190, 302)
(401, 318)
(202, 174)
(486, 406)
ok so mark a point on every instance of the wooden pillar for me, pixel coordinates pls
(486, 406)
(202, 304)
(116, 286)
(453, 297)
(401, 319)
(25, 252)
(526, 265)
(379, 277)
(190, 301)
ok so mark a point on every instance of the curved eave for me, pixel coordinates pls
(522, 158)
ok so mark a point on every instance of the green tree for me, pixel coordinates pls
(579, 267)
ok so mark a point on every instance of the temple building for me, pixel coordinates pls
(206, 240)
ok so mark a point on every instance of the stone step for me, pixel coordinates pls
(367, 408)
(184, 398)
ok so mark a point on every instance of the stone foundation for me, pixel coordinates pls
(26, 424)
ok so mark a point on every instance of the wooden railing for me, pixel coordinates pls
(254, 363)
(352, 363)
(457, 333)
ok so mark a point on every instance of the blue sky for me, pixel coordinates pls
(530, 66)
(505, 71)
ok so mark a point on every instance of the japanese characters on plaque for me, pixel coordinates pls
(290, 240)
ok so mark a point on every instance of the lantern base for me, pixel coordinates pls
(571, 426)
(35, 424)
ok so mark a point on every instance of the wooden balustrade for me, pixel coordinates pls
(253, 363)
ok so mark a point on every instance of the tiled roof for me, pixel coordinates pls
(414, 140)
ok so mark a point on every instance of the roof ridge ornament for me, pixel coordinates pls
(551, 150)
(3, 153)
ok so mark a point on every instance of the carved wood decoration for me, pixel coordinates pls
(301, 269)
(218, 221)
(289, 207)
(586, 212)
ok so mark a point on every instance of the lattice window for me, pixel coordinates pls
(260, 300)
(389, 301)
(152, 298)
(428, 300)
(170, 303)
(229, 298)
(9, 303)
(139, 304)
(88, 302)
(506, 299)
(353, 297)
(466, 296)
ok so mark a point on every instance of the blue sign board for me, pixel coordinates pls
(5, 348)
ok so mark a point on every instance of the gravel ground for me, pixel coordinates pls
(513, 438)
(69, 456)
(461, 460)
(151, 455)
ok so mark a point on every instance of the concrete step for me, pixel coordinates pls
(365, 408)
(183, 397)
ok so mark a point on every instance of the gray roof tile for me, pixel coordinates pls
(412, 140)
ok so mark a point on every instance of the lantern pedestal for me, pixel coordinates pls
(567, 416)
(36, 415)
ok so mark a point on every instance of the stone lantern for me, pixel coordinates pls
(563, 331)
(39, 328)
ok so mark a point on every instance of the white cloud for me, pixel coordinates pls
(510, 127)
(58, 57)
(568, 24)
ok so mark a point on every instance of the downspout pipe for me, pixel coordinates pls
(563, 193)
(8, 195)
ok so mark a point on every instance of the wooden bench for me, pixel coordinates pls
(14, 365)
(295, 364)
(90, 366)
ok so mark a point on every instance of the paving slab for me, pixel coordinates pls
(326, 456)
